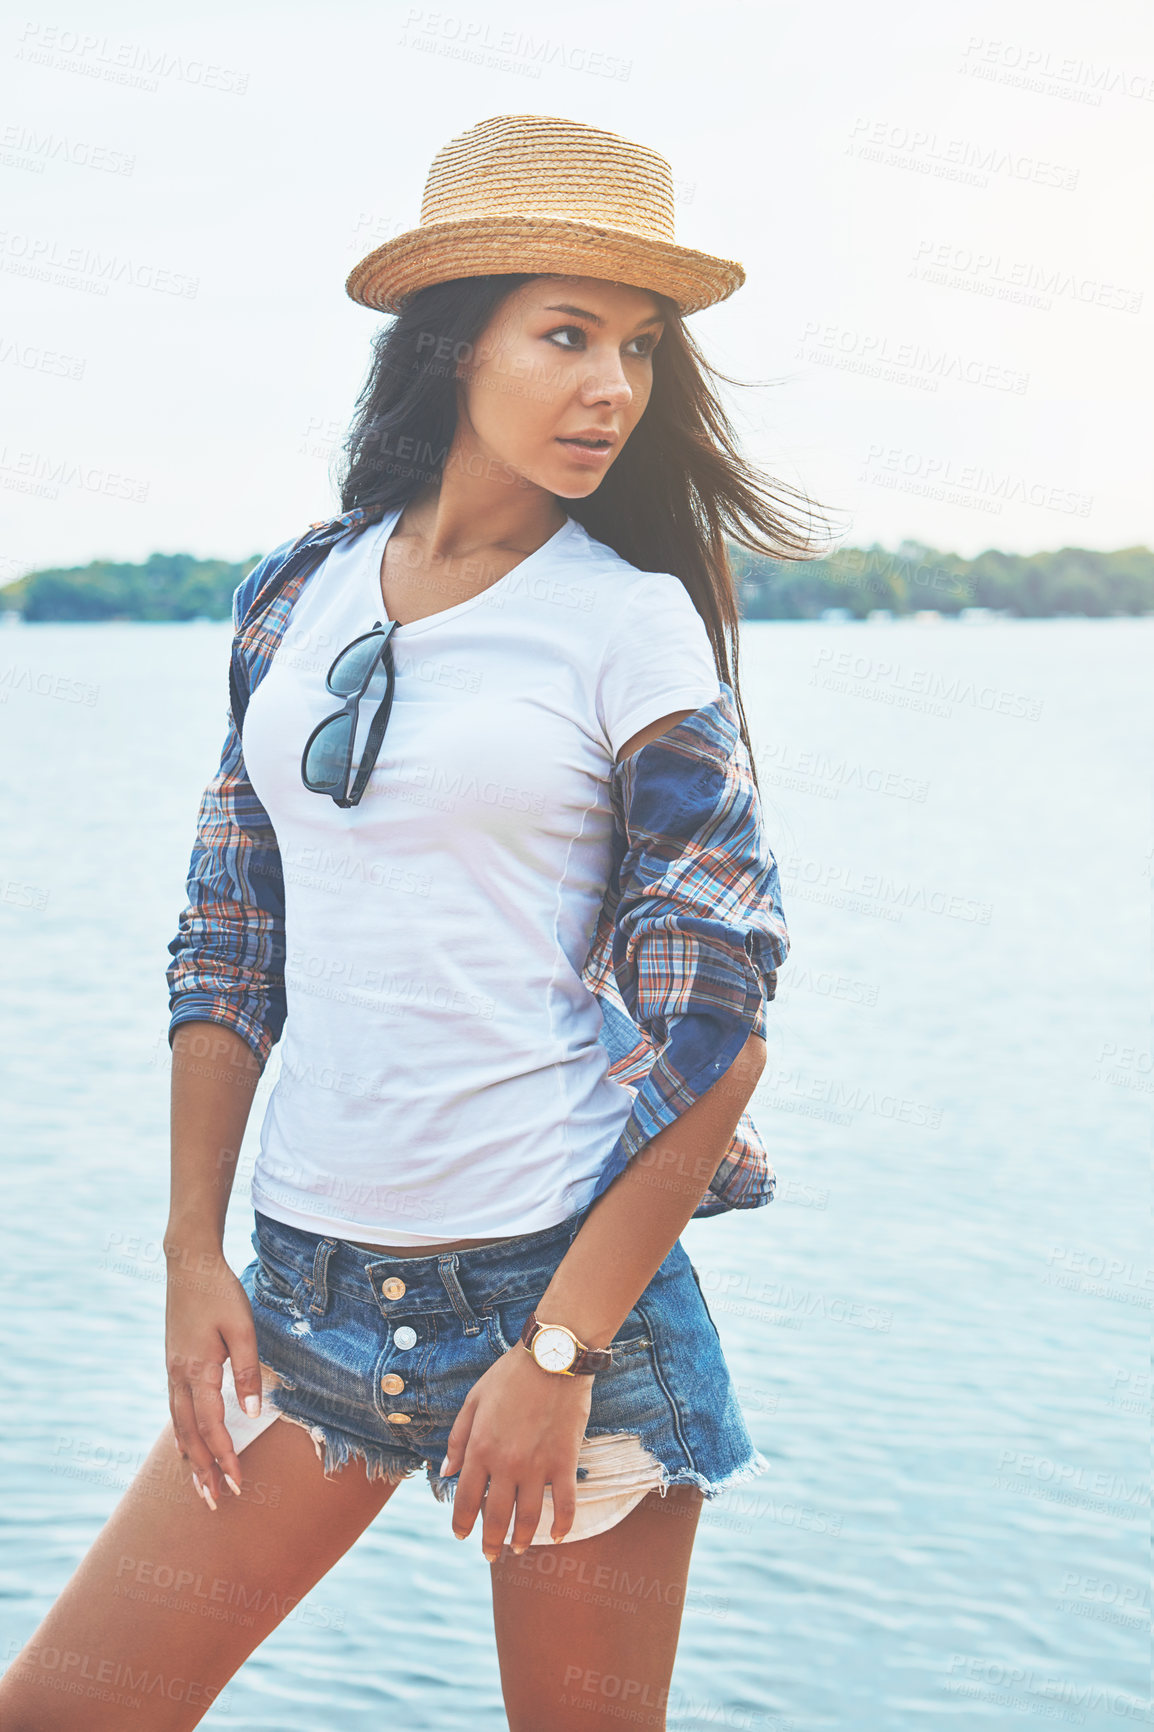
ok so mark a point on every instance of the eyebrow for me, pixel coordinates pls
(596, 319)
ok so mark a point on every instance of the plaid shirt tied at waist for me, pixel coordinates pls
(688, 941)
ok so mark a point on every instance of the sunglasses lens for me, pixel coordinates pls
(351, 670)
(328, 754)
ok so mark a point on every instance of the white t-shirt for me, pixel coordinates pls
(441, 1073)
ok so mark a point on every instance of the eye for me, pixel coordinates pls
(647, 339)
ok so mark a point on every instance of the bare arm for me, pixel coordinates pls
(208, 1317)
(637, 1220)
(214, 1078)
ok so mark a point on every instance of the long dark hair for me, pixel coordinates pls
(678, 488)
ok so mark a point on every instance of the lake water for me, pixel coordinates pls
(939, 1328)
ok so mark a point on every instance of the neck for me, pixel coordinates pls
(472, 509)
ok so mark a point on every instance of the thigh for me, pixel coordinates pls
(589, 1627)
(172, 1597)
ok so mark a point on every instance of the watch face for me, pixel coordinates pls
(553, 1349)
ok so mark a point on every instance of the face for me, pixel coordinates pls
(563, 359)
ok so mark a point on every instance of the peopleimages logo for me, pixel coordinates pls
(926, 689)
(43, 474)
(33, 359)
(1024, 282)
(48, 260)
(1027, 66)
(969, 484)
(24, 147)
(897, 145)
(116, 61)
(815, 771)
(906, 361)
(825, 880)
(462, 37)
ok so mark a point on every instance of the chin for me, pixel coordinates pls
(576, 486)
(553, 478)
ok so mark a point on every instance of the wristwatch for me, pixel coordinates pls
(557, 1349)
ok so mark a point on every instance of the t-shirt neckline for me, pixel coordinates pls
(380, 541)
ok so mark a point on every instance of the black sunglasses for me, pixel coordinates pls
(326, 762)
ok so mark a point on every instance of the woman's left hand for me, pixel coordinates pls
(518, 1429)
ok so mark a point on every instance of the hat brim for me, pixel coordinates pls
(477, 246)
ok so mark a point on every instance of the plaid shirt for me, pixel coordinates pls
(688, 940)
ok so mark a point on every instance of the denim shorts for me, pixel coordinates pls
(375, 1355)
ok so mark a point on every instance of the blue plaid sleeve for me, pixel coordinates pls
(228, 952)
(698, 934)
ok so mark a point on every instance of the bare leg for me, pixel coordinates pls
(254, 1557)
(589, 1627)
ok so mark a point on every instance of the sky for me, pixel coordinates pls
(942, 214)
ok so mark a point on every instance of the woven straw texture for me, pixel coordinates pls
(532, 192)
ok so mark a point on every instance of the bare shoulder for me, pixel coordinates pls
(651, 731)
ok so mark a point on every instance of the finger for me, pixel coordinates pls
(183, 1411)
(530, 1501)
(174, 1421)
(470, 1492)
(564, 1482)
(219, 1439)
(191, 1396)
(245, 1361)
(498, 1513)
(208, 1406)
(459, 1435)
(194, 1449)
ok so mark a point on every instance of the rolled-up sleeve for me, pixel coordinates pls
(228, 953)
(699, 932)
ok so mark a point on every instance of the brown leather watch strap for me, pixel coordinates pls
(589, 1359)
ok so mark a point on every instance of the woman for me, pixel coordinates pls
(492, 850)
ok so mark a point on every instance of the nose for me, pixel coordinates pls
(606, 383)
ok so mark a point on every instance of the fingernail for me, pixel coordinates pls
(444, 1468)
(231, 1484)
(252, 1406)
(208, 1498)
(458, 1536)
(518, 1550)
(491, 1557)
(197, 1484)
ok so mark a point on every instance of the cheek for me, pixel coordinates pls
(642, 391)
(515, 404)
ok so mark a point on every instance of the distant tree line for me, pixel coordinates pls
(166, 586)
(1073, 580)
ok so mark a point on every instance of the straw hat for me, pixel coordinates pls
(532, 192)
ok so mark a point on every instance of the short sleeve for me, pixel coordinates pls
(659, 658)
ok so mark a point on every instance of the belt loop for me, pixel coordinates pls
(317, 1281)
(447, 1267)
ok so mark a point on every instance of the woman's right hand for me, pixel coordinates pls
(208, 1319)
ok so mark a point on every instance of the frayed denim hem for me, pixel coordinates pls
(335, 1449)
(443, 1489)
(712, 1488)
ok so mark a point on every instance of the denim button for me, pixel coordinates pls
(393, 1288)
(398, 1418)
(392, 1384)
(405, 1337)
